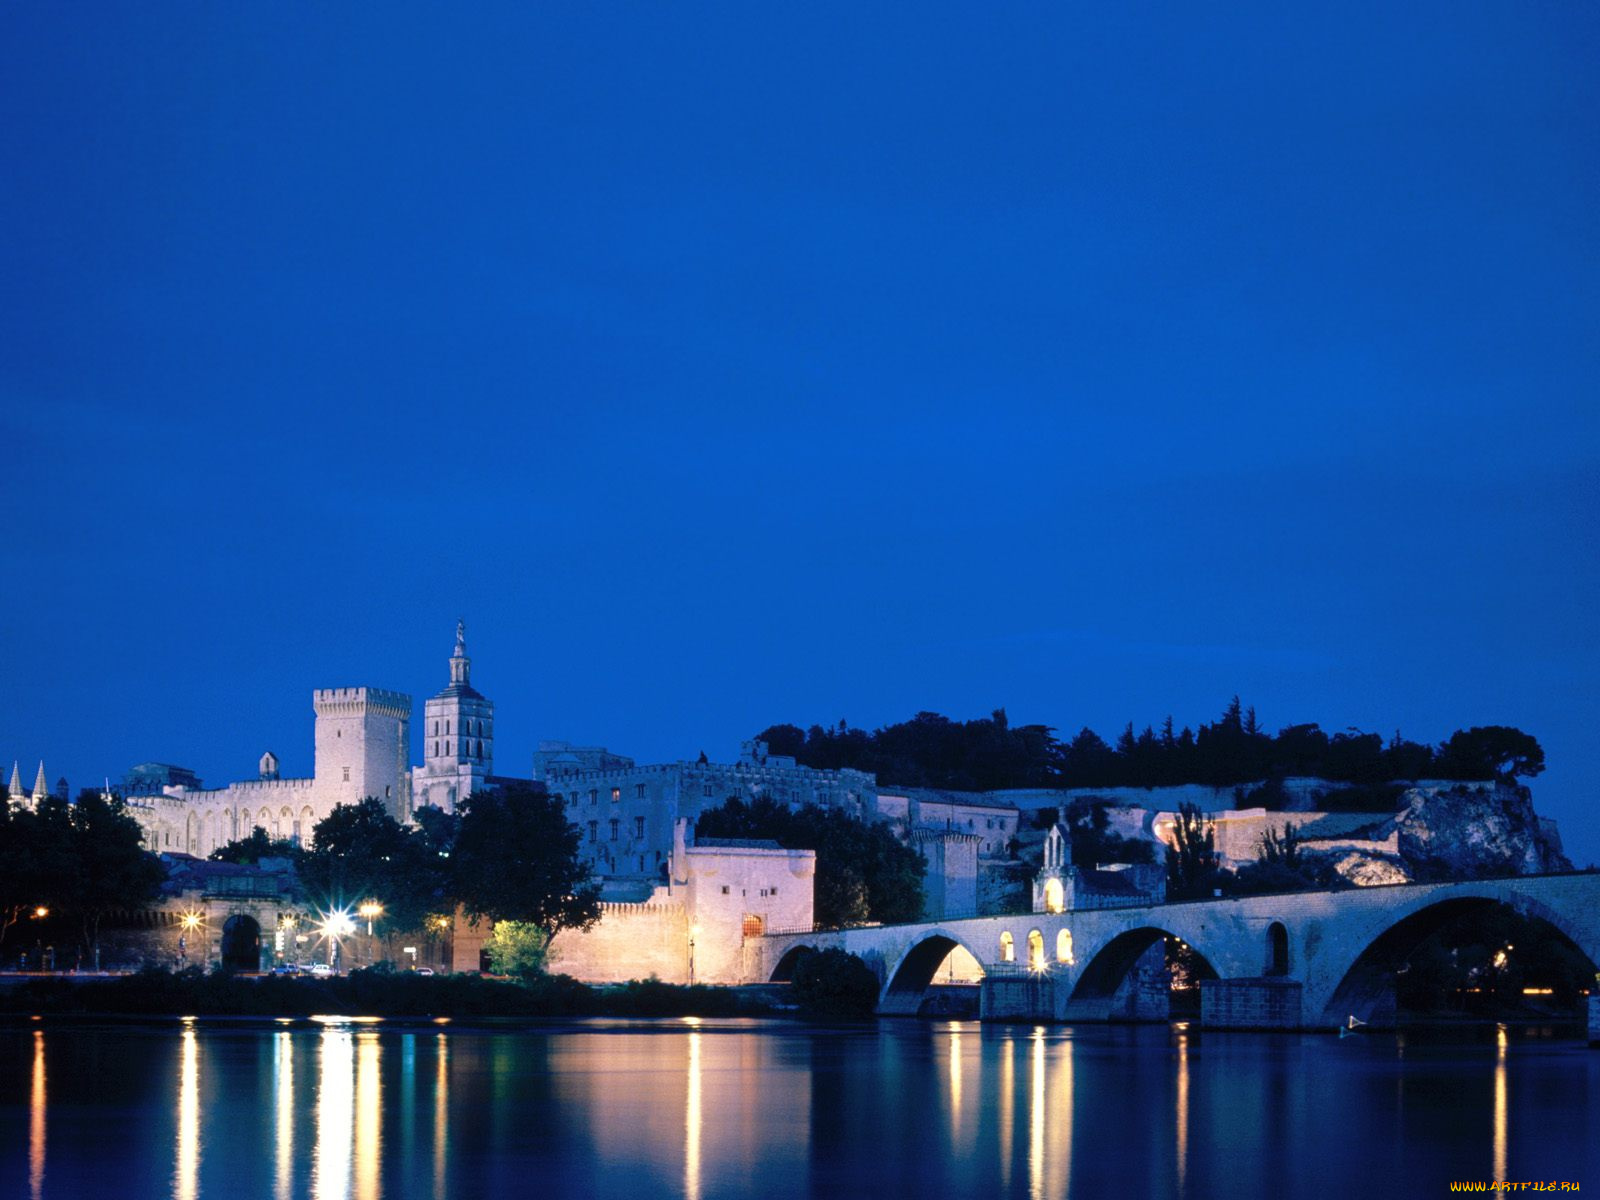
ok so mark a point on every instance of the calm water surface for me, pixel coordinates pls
(351, 1111)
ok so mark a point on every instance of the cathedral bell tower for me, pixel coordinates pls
(458, 737)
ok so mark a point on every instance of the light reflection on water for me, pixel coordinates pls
(708, 1110)
(283, 1092)
(36, 1119)
(186, 1183)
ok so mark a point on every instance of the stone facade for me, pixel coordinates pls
(993, 824)
(699, 926)
(950, 888)
(626, 814)
(362, 738)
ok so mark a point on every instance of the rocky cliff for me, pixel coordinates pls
(1453, 833)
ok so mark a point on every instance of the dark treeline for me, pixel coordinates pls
(990, 753)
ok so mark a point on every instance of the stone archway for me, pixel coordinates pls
(241, 943)
(1128, 977)
(1366, 986)
(783, 972)
(913, 974)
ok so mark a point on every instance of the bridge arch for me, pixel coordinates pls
(1109, 968)
(913, 974)
(783, 969)
(1366, 981)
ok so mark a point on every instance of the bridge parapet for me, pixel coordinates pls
(1318, 939)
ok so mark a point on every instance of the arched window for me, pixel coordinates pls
(1008, 950)
(1055, 899)
(1064, 947)
(1277, 949)
(1035, 950)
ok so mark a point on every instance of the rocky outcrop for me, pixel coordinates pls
(1370, 870)
(1444, 832)
(1462, 833)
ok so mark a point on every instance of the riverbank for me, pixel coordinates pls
(375, 994)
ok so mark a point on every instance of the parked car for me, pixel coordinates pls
(424, 970)
(321, 969)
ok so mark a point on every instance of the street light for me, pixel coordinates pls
(334, 926)
(41, 912)
(693, 930)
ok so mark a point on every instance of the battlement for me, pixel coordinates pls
(361, 699)
(176, 796)
(696, 771)
(623, 908)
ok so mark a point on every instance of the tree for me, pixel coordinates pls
(1093, 842)
(834, 983)
(1491, 752)
(35, 860)
(1279, 867)
(864, 872)
(251, 850)
(1192, 871)
(517, 948)
(359, 853)
(516, 859)
(109, 867)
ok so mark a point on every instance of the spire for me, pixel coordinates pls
(460, 664)
(41, 789)
(16, 781)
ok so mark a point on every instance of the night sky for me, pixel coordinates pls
(797, 363)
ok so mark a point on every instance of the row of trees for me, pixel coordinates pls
(988, 754)
(78, 862)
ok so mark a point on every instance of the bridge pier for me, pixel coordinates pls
(1265, 1002)
(1025, 996)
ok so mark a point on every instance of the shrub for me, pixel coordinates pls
(833, 983)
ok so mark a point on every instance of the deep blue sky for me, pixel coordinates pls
(797, 362)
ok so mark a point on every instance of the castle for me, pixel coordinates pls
(362, 740)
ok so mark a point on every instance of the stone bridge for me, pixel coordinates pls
(1313, 959)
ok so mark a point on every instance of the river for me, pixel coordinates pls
(346, 1110)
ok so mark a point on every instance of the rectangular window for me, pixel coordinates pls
(724, 886)
(594, 795)
(614, 825)
(616, 794)
(638, 827)
(772, 891)
(708, 789)
(594, 830)
(639, 791)
(347, 774)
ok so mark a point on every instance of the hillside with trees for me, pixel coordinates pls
(990, 753)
